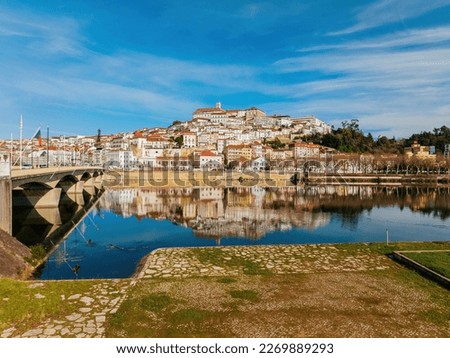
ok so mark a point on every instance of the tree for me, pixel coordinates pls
(179, 141)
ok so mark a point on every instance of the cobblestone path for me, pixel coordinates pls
(88, 316)
(276, 259)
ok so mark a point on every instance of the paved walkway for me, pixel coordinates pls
(88, 317)
(91, 309)
(276, 259)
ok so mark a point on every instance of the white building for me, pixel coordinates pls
(189, 139)
(150, 155)
(119, 143)
(306, 150)
(259, 164)
(447, 149)
(210, 160)
(157, 141)
(121, 158)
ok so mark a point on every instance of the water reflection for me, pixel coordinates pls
(47, 226)
(253, 212)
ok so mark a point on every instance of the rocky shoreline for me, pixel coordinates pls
(12, 257)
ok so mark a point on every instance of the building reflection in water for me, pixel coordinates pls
(251, 213)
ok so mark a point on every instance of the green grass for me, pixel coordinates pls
(405, 246)
(20, 306)
(436, 261)
(156, 302)
(382, 248)
(37, 254)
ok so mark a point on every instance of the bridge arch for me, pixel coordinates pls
(85, 176)
(70, 184)
(42, 188)
(34, 185)
(36, 194)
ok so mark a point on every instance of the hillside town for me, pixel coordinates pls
(214, 138)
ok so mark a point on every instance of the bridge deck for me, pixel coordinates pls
(17, 173)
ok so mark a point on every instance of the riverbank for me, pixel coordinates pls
(187, 179)
(169, 178)
(13, 255)
(346, 290)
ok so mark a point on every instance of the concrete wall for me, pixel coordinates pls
(5, 205)
(5, 193)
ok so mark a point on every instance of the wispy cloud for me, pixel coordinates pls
(171, 74)
(251, 10)
(49, 69)
(389, 81)
(412, 37)
(42, 33)
(384, 12)
(400, 81)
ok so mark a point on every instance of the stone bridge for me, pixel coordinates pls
(42, 187)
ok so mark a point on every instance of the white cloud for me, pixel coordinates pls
(48, 68)
(412, 37)
(43, 33)
(397, 82)
(384, 12)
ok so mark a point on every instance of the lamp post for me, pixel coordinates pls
(20, 141)
(48, 140)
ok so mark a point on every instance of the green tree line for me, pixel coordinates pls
(351, 139)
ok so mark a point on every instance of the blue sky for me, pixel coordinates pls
(76, 66)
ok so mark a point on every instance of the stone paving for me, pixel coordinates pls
(91, 309)
(277, 259)
(89, 315)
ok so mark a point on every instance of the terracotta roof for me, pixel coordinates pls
(208, 153)
(155, 137)
(306, 145)
(206, 110)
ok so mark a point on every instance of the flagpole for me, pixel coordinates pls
(64, 150)
(48, 138)
(20, 145)
(11, 161)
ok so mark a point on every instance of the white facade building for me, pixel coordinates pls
(189, 139)
(121, 158)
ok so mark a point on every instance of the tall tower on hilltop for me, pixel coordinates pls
(218, 105)
(98, 143)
